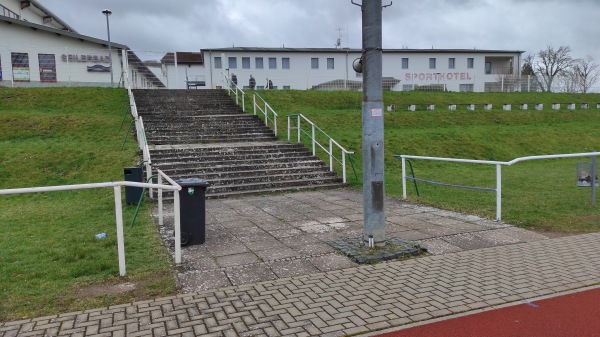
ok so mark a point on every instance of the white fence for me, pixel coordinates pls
(498, 165)
(118, 208)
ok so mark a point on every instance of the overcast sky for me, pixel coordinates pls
(186, 25)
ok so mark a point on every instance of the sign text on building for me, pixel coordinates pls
(437, 76)
(85, 58)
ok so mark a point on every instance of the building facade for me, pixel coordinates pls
(38, 49)
(331, 69)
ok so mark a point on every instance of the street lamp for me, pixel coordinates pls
(107, 12)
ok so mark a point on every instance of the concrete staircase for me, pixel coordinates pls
(204, 134)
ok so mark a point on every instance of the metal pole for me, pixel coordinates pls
(120, 236)
(176, 75)
(372, 123)
(593, 175)
(177, 224)
(107, 13)
(498, 192)
(403, 178)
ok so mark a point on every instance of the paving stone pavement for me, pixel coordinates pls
(465, 272)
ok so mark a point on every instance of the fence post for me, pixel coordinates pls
(289, 127)
(314, 148)
(254, 103)
(498, 192)
(177, 215)
(344, 166)
(403, 178)
(120, 239)
(243, 101)
(160, 201)
(330, 154)
(298, 125)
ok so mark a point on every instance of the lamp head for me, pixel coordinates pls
(106, 12)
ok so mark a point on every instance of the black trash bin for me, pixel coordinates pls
(133, 194)
(192, 203)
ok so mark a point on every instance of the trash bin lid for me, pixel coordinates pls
(192, 182)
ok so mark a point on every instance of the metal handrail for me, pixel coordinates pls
(265, 111)
(498, 165)
(315, 143)
(118, 206)
(236, 90)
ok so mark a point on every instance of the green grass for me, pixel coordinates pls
(48, 254)
(539, 195)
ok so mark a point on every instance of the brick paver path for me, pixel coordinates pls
(349, 301)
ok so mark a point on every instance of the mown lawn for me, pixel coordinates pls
(539, 195)
(49, 257)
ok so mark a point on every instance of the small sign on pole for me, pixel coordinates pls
(587, 176)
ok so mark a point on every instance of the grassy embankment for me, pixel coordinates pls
(50, 261)
(539, 195)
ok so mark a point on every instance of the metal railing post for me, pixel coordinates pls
(254, 103)
(403, 178)
(344, 166)
(243, 101)
(289, 127)
(298, 125)
(177, 220)
(314, 150)
(275, 124)
(120, 236)
(330, 154)
(498, 192)
(160, 202)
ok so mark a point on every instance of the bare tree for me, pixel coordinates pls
(586, 72)
(552, 63)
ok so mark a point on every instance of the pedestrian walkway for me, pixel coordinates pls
(349, 301)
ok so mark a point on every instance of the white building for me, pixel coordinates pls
(329, 68)
(39, 49)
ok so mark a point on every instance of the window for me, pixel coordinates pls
(465, 87)
(451, 63)
(432, 63)
(232, 62)
(470, 62)
(408, 87)
(20, 67)
(245, 63)
(47, 67)
(314, 63)
(258, 63)
(272, 63)
(405, 63)
(330, 63)
(286, 87)
(285, 63)
(488, 68)
(218, 63)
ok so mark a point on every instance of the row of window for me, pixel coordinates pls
(20, 67)
(232, 63)
(469, 87)
(433, 63)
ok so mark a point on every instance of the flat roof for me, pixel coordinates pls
(351, 50)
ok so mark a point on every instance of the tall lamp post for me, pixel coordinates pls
(107, 12)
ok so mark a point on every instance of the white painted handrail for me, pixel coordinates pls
(315, 143)
(118, 205)
(232, 87)
(498, 165)
(267, 109)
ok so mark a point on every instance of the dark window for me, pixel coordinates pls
(405, 63)
(20, 67)
(218, 62)
(451, 63)
(470, 62)
(258, 63)
(314, 63)
(330, 63)
(272, 63)
(47, 67)
(232, 62)
(432, 63)
(285, 63)
(245, 63)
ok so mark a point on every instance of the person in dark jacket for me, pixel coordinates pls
(252, 83)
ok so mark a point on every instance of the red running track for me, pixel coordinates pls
(572, 315)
